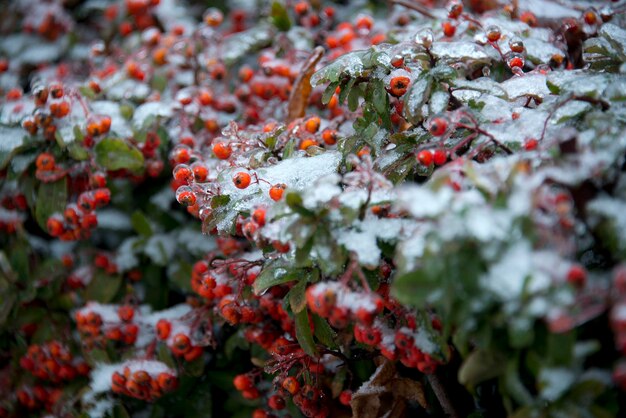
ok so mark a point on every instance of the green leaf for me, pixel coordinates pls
(274, 275)
(51, 199)
(294, 201)
(116, 154)
(346, 88)
(164, 354)
(303, 333)
(77, 151)
(416, 98)
(328, 92)
(279, 16)
(323, 332)
(220, 200)
(296, 296)
(140, 224)
(103, 287)
(616, 37)
(479, 366)
(119, 411)
(159, 83)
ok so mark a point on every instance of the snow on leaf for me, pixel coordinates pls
(147, 111)
(10, 141)
(240, 44)
(350, 63)
(526, 85)
(459, 51)
(616, 36)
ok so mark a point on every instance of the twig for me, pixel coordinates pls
(442, 396)
(414, 6)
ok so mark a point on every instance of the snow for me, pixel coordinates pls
(555, 381)
(421, 202)
(361, 238)
(516, 272)
(175, 312)
(147, 111)
(526, 85)
(299, 173)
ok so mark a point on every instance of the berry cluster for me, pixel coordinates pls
(53, 361)
(177, 334)
(79, 219)
(147, 380)
(341, 305)
(99, 324)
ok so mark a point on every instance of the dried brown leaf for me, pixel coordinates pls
(299, 97)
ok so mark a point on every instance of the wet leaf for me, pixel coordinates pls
(280, 16)
(303, 333)
(103, 287)
(296, 297)
(51, 199)
(116, 154)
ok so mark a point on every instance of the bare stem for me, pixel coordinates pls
(442, 396)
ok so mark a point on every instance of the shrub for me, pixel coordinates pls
(412, 209)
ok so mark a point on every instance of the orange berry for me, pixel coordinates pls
(45, 161)
(222, 150)
(276, 191)
(312, 124)
(309, 142)
(241, 180)
(291, 385)
(163, 328)
(181, 344)
(398, 85)
(329, 136)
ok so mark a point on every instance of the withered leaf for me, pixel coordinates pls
(299, 96)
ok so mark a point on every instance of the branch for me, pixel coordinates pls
(442, 396)
(414, 6)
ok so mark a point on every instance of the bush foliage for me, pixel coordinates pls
(292, 208)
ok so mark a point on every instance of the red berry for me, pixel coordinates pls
(440, 157)
(243, 382)
(425, 157)
(258, 216)
(438, 126)
(185, 196)
(345, 397)
(163, 328)
(276, 402)
(516, 62)
(167, 382)
(55, 226)
(493, 34)
(531, 144)
(181, 344)
(448, 28)
(126, 313)
(183, 173)
(577, 275)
